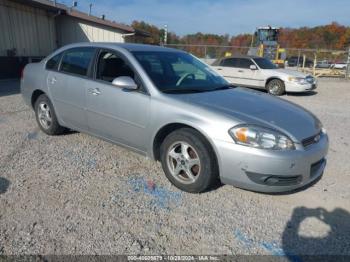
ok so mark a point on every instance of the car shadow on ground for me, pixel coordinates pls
(309, 93)
(69, 132)
(329, 242)
(4, 184)
(214, 187)
(9, 87)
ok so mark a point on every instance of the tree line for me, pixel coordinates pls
(331, 36)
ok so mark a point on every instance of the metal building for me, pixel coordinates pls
(31, 29)
(76, 26)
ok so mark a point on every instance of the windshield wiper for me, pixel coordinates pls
(182, 91)
(189, 90)
(224, 87)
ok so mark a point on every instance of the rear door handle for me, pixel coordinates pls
(94, 91)
(219, 69)
(240, 71)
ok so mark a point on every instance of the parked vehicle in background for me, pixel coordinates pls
(170, 106)
(265, 44)
(294, 61)
(339, 65)
(323, 64)
(258, 72)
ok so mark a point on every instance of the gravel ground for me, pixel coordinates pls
(76, 194)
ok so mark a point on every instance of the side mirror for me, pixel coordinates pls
(253, 67)
(125, 82)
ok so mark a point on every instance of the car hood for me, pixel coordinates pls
(286, 72)
(253, 107)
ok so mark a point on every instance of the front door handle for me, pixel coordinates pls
(219, 69)
(53, 80)
(94, 91)
(240, 71)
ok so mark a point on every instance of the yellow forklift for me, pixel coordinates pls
(265, 44)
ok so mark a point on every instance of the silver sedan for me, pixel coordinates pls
(171, 107)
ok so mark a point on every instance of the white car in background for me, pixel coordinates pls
(339, 65)
(258, 72)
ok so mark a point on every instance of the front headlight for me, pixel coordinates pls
(299, 80)
(260, 137)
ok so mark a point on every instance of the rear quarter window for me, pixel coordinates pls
(54, 62)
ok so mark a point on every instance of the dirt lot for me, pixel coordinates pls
(75, 194)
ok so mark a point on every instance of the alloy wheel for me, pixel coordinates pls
(183, 162)
(274, 89)
(44, 115)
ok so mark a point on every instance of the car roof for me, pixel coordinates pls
(128, 46)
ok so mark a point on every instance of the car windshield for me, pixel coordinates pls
(264, 63)
(178, 72)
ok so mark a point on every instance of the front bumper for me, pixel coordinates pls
(295, 87)
(268, 170)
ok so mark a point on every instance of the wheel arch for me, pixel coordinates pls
(171, 127)
(35, 96)
(268, 80)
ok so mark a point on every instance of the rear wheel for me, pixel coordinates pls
(188, 161)
(46, 116)
(275, 87)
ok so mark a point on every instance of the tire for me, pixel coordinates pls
(46, 116)
(275, 87)
(198, 158)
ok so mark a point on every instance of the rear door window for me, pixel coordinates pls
(229, 62)
(77, 60)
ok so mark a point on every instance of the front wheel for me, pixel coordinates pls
(188, 161)
(275, 87)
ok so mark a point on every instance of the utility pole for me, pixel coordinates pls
(165, 34)
(90, 8)
(299, 53)
(75, 4)
(347, 75)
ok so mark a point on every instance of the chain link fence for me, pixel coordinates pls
(319, 62)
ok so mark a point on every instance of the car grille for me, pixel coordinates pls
(311, 140)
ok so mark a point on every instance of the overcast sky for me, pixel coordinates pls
(222, 16)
